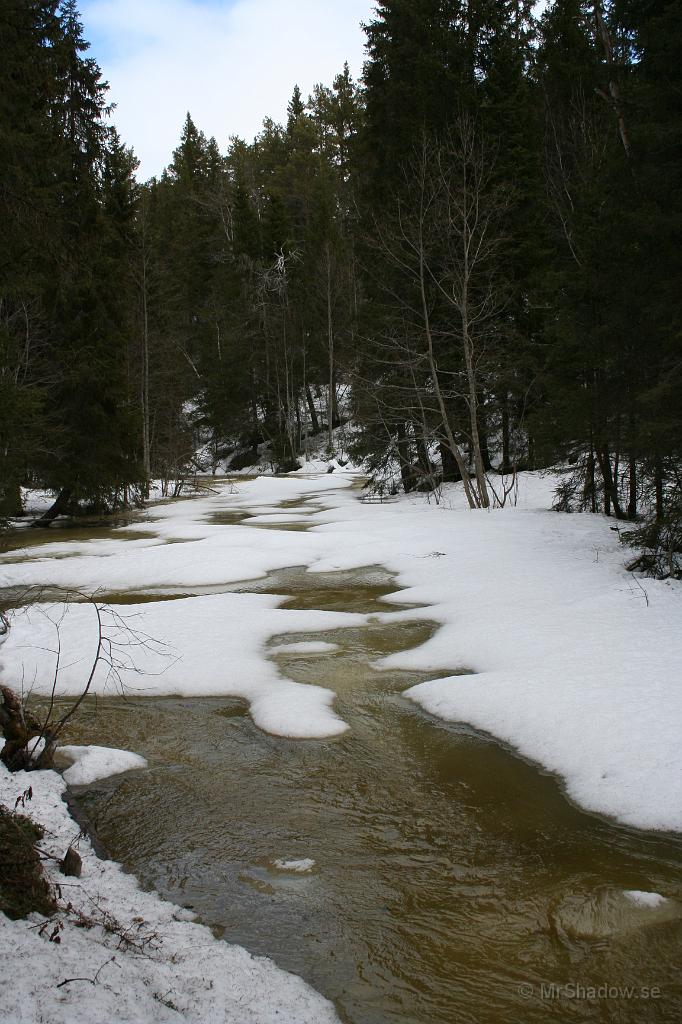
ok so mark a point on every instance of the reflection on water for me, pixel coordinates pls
(451, 879)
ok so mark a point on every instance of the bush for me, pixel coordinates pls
(23, 887)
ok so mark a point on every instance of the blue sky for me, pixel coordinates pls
(230, 62)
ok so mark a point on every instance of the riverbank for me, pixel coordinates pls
(114, 952)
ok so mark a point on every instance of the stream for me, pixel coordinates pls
(451, 878)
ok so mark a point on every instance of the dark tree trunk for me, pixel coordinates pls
(610, 486)
(483, 435)
(61, 507)
(336, 419)
(632, 498)
(506, 466)
(314, 421)
(451, 473)
(406, 472)
(589, 490)
(658, 483)
(423, 457)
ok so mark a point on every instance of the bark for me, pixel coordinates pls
(589, 490)
(18, 726)
(658, 484)
(331, 396)
(314, 421)
(484, 499)
(63, 505)
(433, 371)
(146, 437)
(483, 431)
(406, 473)
(632, 497)
(451, 473)
(336, 419)
(506, 460)
(611, 497)
(614, 97)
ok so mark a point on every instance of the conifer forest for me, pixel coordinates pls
(473, 253)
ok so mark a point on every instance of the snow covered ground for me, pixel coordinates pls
(565, 657)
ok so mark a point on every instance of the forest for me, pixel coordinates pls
(473, 253)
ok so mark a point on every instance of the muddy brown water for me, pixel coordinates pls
(452, 879)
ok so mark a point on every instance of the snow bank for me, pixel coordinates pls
(171, 970)
(88, 764)
(202, 646)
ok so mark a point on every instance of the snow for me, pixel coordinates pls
(299, 867)
(35, 747)
(201, 646)
(179, 972)
(545, 641)
(88, 764)
(645, 899)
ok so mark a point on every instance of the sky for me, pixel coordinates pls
(230, 63)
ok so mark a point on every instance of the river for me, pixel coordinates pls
(452, 880)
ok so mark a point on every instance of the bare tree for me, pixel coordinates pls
(30, 736)
(445, 244)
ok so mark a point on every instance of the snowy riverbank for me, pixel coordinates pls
(139, 959)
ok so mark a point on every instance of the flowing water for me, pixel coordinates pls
(451, 879)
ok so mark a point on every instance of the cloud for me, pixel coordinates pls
(229, 63)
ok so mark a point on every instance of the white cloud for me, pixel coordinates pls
(229, 64)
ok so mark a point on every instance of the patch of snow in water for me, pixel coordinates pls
(88, 764)
(300, 867)
(644, 899)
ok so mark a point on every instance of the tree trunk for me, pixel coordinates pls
(62, 506)
(506, 466)
(146, 438)
(610, 487)
(331, 396)
(658, 483)
(614, 98)
(435, 379)
(483, 431)
(632, 497)
(406, 474)
(314, 421)
(451, 473)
